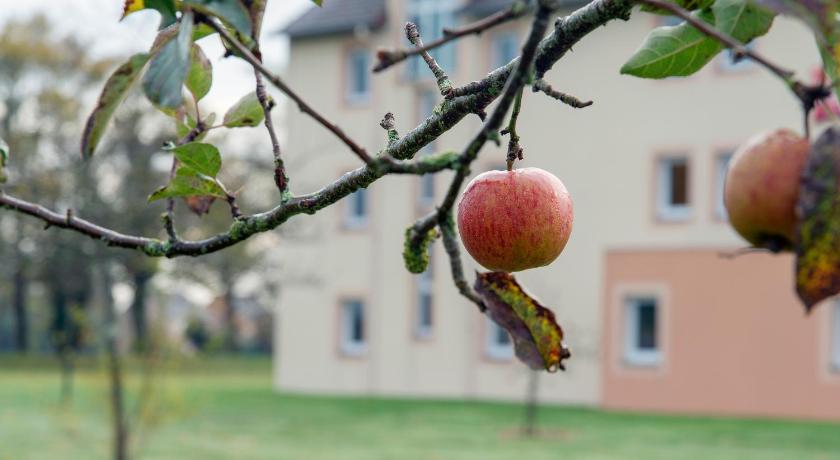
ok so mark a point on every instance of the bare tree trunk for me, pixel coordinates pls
(115, 374)
(138, 311)
(529, 426)
(19, 300)
(230, 317)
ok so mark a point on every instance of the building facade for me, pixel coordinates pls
(656, 318)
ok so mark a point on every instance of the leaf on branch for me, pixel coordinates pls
(676, 51)
(113, 93)
(202, 158)
(232, 12)
(742, 19)
(818, 211)
(185, 122)
(4, 159)
(196, 174)
(682, 50)
(246, 112)
(168, 68)
(166, 8)
(537, 338)
(200, 75)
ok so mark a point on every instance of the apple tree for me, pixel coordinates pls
(175, 62)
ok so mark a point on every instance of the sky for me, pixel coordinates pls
(98, 22)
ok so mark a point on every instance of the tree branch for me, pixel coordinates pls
(568, 99)
(388, 58)
(275, 80)
(394, 159)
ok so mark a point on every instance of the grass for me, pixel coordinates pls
(225, 409)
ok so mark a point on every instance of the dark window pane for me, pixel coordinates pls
(502, 337)
(679, 183)
(425, 311)
(357, 322)
(359, 203)
(647, 325)
(427, 187)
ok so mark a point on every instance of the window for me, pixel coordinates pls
(505, 48)
(672, 194)
(356, 209)
(721, 166)
(353, 340)
(835, 335)
(499, 343)
(358, 77)
(729, 62)
(423, 316)
(431, 17)
(641, 331)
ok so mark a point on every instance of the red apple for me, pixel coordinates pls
(515, 220)
(762, 187)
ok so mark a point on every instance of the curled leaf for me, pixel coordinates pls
(246, 112)
(167, 71)
(200, 75)
(113, 93)
(199, 205)
(818, 211)
(537, 338)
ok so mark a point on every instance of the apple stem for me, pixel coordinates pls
(514, 149)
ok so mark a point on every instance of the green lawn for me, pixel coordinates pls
(225, 409)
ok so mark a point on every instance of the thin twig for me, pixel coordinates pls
(515, 151)
(568, 99)
(282, 86)
(280, 177)
(388, 58)
(443, 82)
(388, 123)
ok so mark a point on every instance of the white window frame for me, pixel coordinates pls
(497, 59)
(494, 349)
(350, 94)
(633, 354)
(835, 337)
(349, 346)
(722, 160)
(666, 210)
(352, 220)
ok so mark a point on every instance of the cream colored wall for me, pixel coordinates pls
(604, 154)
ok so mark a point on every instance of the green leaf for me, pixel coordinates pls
(4, 159)
(113, 93)
(742, 19)
(537, 338)
(166, 8)
(233, 12)
(246, 112)
(187, 182)
(200, 75)
(673, 51)
(689, 5)
(168, 68)
(184, 123)
(318, 2)
(819, 15)
(202, 158)
(818, 229)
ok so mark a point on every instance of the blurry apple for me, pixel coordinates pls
(762, 187)
(515, 220)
